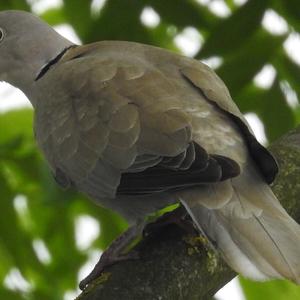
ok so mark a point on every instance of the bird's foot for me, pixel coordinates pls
(178, 216)
(114, 253)
(105, 261)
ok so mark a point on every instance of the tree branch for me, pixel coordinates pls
(176, 266)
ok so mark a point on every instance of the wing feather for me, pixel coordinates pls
(119, 117)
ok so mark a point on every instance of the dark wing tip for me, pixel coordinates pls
(230, 168)
(265, 161)
(204, 169)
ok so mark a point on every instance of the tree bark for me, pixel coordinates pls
(174, 265)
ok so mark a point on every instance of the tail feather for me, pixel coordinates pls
(248, 226)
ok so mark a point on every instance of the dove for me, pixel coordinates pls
(137, 128)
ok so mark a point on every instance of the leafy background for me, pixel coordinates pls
(40, 253)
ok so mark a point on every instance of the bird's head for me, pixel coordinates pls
(26, 44)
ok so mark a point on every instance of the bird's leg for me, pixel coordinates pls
(115, 252)
(178, 216)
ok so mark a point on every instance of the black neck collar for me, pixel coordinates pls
(52, 62)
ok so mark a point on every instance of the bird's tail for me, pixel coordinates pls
(245, 222)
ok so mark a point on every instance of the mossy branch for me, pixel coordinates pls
(176, 266)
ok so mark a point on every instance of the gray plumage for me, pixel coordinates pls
(137, 128)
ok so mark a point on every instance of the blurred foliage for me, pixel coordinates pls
(276, 289)
(34, 209)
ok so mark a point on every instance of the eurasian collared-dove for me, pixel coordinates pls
(138, 128)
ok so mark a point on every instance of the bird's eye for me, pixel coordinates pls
(1, 34)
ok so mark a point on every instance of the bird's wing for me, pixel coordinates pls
(120, 126)
(202, 78)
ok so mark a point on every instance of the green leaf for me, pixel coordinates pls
(277, 116)
(17, 127)
(54, 16)
(14, 4)
(288, 70)
(11, 295)
(229, 34)
(122, 26)
(183, 13)
(15, 240)
(290, 10)
(78, 14)
(161, 36)
(17, 123)
(275, 290)
(271, 107)
(249, 99)
(244, 63)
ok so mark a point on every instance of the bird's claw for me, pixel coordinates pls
(105, 261)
